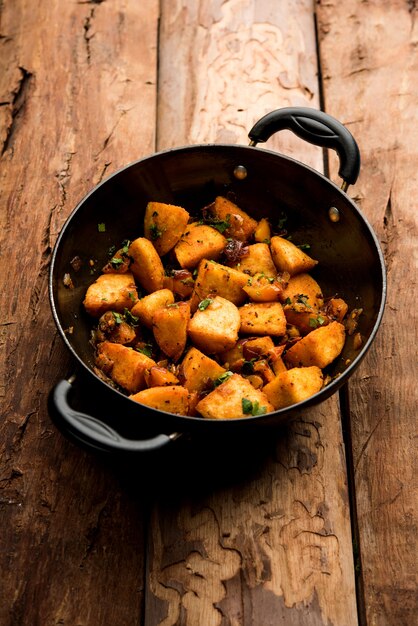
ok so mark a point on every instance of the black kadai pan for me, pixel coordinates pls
(264, 184)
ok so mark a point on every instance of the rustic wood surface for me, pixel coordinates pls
(370, 73)
(262, 536)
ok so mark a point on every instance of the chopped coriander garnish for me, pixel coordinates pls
(248, 366)
(132, 296)
(220, 225)
(252, 408)
(147, 350)
(155, 232)
(118, 317)
(204, 304)
(288, 301)
(125, 246)
(116, 263)
(101, 227)
(304, 246)
(302, 299)
(314, 322)
(222, 378)
(257, 409)
(133, 320)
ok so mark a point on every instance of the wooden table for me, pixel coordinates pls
(315, 527)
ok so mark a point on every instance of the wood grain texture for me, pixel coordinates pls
(223, 65)
(76, 79)
(248, 534)
(370, 71)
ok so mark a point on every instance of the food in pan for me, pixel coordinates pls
(215, 315)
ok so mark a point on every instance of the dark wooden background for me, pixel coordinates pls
(283, 532)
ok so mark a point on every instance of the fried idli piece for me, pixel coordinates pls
(110, 292)
(234, 398)
(320, 347)
(288, 257)
(294, 385)
(214, 326)
(164, 224)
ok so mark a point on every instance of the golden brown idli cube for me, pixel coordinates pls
(216, 279)
(240, 225)
(303, 284)
(289, 258)
(110, 292)
(164, 224)
(214, 326)
(262, 233)
(293, 386)
(197, 369)
(145, 308)
(302, 300)
(169, 325)
(158, 376)
(147, 266)
(172, 399)
(320, 347)
(234, 398)
(198, 242)
(258, 260)
(125, 366)
(263, 318)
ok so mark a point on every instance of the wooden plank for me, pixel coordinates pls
(248, 532)
(236, 61)
(370, 71)
(77, 93)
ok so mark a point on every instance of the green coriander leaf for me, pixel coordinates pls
(304, 246)
(125, 246)
(257, 409)
(101, 227)
(116, 263)
(303, 299)
(220, 225)
(204, 304)
(248, 366)
(133, 320)
(147, 350)
(222, 378)
(247, 406)
(118, 317)
(155, 232)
